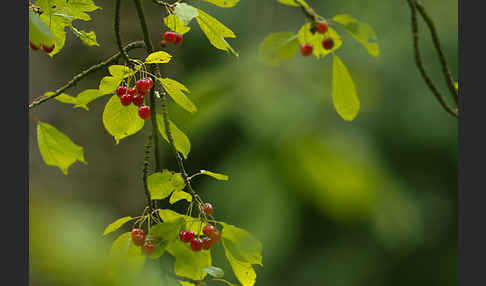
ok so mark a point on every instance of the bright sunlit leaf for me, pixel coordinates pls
(185, 12)
(121, 121)
(217, 176)
(223, 3)
(305, 36)
(362, 32)
(215, 31)
(278, 47)
(181, 142)
(180, 195)
(176, 91)
(159, 57)
(176, 25)
(162, 184)
(344, 94)
(116, 224)
(294, 3)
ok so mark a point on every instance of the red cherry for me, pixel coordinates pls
(178, 38)
(208, 208)
(121, 90)
(196, 244)
(126, 99)
(138, 236)
(148, 248)
(144, 112)
(186, 235)
(132, 91)
(48, 49)
(215, 236)
(142, 86)
(33, 46)
(150, 82)
(321, 27)
(207, 242)
(306, 49)
(170, 37)
(208, 229)
(328, 43)
(138, 100)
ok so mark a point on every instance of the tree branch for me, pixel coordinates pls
(418, 61)
(146, 163)
(117, 32)
(78, 77)
(435, 39)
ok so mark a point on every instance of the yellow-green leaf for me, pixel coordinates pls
(278, 47)
(344, 94)
(243, 270)
(180, 195)
(175, 24)
(109, 84)
(223, 3)
(39, 33)
(63, 97)
(181, 142)
(456, 85)
(121, 121)
(215, 31)
(191, 223)
(362, 32)
(120, 71)
(162, 184)
(176, 92)
(88, 38)
(81, 100)
(189, 263)
(242, 245)
(116, 224)
(294, 3)
(126, 259)
(159, 57)
(185, 12)
(305, 36)
(217, 176)
(56, 148)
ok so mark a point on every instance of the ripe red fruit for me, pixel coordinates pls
(178, 38)
(215, 236)
(132, 92)
(328, 43)
(121, 90)
(33, 46)
(196, 244)
(144, 112)
(138, 100)
(208, 229)
(306, 49)
(170, 37)
(142, 86)
(126, 99)
(207, 242)
(48, 49)
(148, 248)
(150, 82)
(186, 235)
(138, 236)
(208, 208)
(321, 27)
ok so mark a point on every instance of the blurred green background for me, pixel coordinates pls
(372, 202)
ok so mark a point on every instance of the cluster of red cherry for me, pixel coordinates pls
(46, 49)
(212, 235)
(136, 95)
(138, 238)
(172, 37)
(327, 43)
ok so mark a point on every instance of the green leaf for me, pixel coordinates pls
(294, 3)
(117, 224)
(344, 94)
(191, 223)
(175, 24)
(185, 12)
(56, 148)
(242, 245)
(215, 31)
(81, 101)
(456, 85)
(88, 39)
(109, 84)
(278, 47)
(362, 32)
(217, 176)
(181, 142)
(126, 260)
(39, 33)
(120, 71)
(223, 3)
(189, 263)
(162, 234)
(180, 195)
(242, 250)
(214, 271)
(176, 92)
(306, 36)
(159, 57)
(121, 121)
(162, 184)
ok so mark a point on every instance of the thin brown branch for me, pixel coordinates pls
(90, 70)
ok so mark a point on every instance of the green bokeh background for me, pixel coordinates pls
(372, 202)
